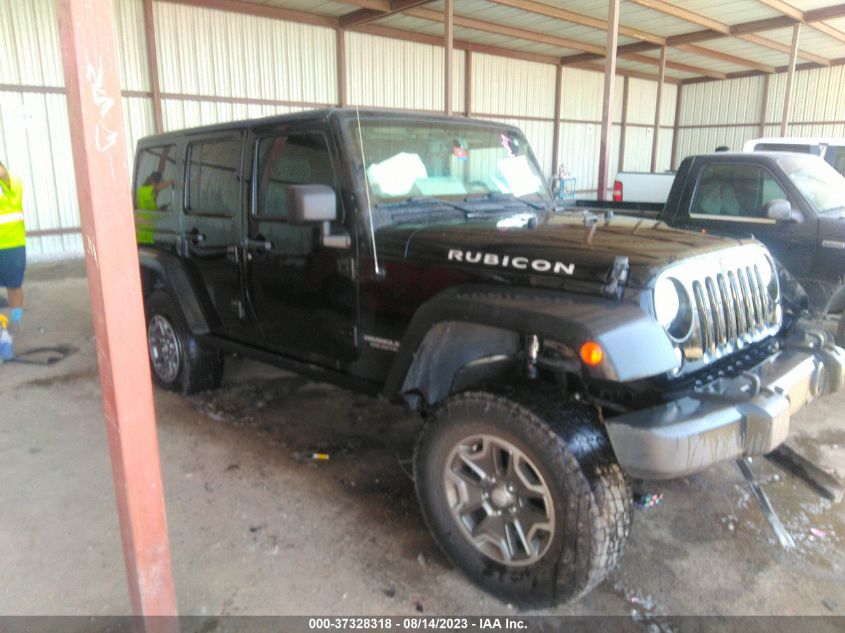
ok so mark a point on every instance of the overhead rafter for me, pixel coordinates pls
(262, 11)
(511, 31)
(624, 72)
(436, 40)
(798, 15)
(756, 73)
(730, 59)
(473, 47)
(363, 16)
(686, 68)
(565, 15)
(553, 40)
(540, 8)
(784, 48)
(685, 15)
(375, 5)
(746, 31)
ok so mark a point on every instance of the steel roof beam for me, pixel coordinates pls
(565, 15)
(715, 29)
(730, 59)
(262, 11)
(799, 16)
(510, 31)
(375, 5)
(542, 38)
(363, 16)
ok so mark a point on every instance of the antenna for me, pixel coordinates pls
(367, 191)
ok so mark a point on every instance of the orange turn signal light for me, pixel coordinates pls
(591, 353)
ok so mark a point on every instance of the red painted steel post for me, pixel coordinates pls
(108, 234)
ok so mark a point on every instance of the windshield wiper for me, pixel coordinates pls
(423, 200)
(509, 196)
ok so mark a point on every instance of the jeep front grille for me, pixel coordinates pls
(731, 306)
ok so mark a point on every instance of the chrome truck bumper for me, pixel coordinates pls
(729, 418)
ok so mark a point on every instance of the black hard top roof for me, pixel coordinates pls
(315, 115)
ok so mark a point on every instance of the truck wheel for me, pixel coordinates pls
(178, 361)
(527, 499)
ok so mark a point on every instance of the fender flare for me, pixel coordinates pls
(181, 285)
(837, 301)
(635, 345)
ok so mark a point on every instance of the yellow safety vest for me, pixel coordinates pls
(12, 231)
(146, 198)
(145, 201)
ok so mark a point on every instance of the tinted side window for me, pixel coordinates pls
(296, 159)
(213, 177)
(157, 173)
(836, 157)
(735, 190)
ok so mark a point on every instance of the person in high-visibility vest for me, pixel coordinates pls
(12, 242)
(146, 199)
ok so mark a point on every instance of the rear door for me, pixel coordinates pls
(213, 224)
(729, 198)
(303, 294)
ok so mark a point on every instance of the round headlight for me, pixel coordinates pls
(673, 308)
(770, 279)
(667, 303)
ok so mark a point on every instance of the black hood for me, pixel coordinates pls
(558, 246)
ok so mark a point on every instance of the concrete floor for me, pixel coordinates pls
(255, 531)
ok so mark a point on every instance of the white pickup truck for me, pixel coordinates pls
(829, 148)
(642, 186)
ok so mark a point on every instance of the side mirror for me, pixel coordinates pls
(316, 203)
(781, 210)
(311, 203)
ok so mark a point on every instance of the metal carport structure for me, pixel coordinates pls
(669, 43)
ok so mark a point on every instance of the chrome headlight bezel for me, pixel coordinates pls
(673, 308)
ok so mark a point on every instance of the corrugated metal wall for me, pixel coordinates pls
(387, 73)
(216, 66)
(728, 112)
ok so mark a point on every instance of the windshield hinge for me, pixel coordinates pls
(616, 278)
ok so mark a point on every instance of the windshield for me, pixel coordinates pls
(458, 164)
(817, 180)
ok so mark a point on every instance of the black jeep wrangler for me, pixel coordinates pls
(421, 258)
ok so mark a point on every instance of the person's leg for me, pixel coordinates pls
(12, 267)
(15, 297)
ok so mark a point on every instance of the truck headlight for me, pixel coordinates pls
(673, 308)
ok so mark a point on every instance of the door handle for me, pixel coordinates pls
(196, 237)
(259, 244)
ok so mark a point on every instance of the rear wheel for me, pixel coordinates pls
(526, 499)
(178, 361)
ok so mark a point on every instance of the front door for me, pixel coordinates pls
(730, 199)
(213, 226)
(303, 294)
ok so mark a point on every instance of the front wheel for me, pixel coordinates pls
(178, 361)
(526, 499)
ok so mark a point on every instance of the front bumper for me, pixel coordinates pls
(729, 418)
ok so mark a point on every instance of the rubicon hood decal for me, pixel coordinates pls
(517, 262)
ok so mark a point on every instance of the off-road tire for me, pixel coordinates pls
(200, 366)
(591, 495)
